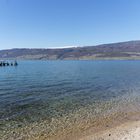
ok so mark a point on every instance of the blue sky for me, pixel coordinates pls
(58, 23)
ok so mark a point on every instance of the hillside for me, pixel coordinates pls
(122, 50)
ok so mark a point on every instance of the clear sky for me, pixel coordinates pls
(57, 23)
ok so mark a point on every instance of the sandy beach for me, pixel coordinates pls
(127, 131)
(124, 129)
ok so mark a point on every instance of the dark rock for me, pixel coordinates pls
(19, 125)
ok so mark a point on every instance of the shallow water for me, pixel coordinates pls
(48, 91)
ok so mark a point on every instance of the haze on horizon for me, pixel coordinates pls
(53, 23)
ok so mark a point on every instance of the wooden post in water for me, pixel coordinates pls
(15, 64)
(3, 63)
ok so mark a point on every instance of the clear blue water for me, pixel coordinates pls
(41, 90)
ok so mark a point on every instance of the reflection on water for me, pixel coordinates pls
(37, 91)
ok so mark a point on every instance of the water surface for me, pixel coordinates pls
(37, 91)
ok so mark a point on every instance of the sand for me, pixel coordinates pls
(126, 131)
(112, 128)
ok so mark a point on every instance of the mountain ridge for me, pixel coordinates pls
(120, 50)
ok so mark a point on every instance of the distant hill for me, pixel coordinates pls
(122, 50)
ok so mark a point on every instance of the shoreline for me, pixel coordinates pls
(78, 59)
(126, 131)
(123, 128)
(80, 123)
(80, 129)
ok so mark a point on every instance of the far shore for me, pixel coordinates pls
(73, 59)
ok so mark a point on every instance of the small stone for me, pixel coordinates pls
(19, 125)
(42, 135)
(109, 134)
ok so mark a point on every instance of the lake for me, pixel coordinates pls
(50, 96)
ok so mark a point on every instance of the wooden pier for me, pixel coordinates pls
(6, 63)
